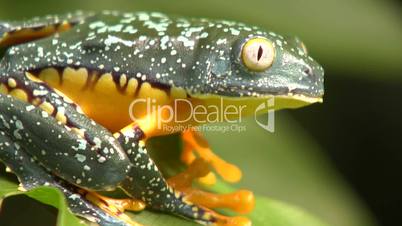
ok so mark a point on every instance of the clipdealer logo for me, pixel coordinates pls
(268, 106)
(166, 115)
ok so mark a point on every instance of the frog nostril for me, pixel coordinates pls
(308, 71)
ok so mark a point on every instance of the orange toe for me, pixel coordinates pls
(241, 201)
(198, 169)
(194, 141)
(235, 221)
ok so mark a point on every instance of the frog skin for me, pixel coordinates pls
(67, 84)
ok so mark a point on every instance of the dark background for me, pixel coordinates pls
(355, 136)
(366, 148)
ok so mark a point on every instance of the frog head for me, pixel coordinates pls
(250, 65)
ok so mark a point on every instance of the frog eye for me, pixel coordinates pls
(258, 54)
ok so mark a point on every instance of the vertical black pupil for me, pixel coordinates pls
(260, 51)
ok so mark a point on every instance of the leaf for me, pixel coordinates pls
(47, 195)
(267, 212)
(274, 213)
(7, 186)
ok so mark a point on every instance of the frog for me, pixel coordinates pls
(81, 93)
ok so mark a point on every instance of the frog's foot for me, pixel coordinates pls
(194, 142)
(241, 201)
(115, 207)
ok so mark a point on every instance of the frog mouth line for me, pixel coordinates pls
(303, 98)
(312, 94)
(274, 102)
(299, 97)
(298, 94)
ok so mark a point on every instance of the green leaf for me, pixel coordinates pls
(7, 185)
(47, 195)
(274, 213)
(267, 212)
(55, 198)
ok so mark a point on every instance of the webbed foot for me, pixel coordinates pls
(241, 201)
(194, 142)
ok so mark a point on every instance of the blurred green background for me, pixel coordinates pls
(340, 160)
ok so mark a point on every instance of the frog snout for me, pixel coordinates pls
(313, 76)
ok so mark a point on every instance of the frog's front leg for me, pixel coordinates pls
(55, 132)
(64, 140)
(145, 182)
(30, 172)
